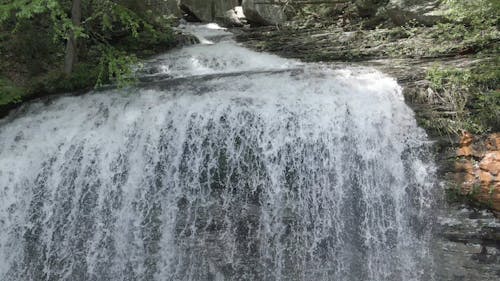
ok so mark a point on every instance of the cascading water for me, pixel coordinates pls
(238, 166)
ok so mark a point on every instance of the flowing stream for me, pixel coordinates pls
(227, 164)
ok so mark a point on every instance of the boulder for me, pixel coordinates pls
(263, 12)
(207, 10)
(231, 19)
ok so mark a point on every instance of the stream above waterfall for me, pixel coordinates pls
(222, 164)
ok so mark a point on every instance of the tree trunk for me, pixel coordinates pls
(71, 46)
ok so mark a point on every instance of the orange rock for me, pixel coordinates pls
(464, 165)
(491, 163)
(465, 151)
(485, 178)
(496, 196)
(493, 142)
(482, 180)
(467, 139)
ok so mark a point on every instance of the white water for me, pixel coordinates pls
(282, 171)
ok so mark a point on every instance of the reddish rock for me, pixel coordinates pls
(491, 163)
(464, 151)
(464, 166)
(466, 141)
(465, 172)
(480, 180)
(485, 178)
(493, 142)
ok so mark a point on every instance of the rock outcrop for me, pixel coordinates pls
(478, 168)
(207, 10)
(231, 19)
(263, 12)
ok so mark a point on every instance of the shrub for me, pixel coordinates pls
(9, 93)
(466, 99)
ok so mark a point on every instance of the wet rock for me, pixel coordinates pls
(470, 244)
(263, 12)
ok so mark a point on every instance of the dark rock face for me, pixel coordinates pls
(470, 245)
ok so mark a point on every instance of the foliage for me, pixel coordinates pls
(29, 9)
(84, 76)
(9, 93)
(467, 99)
(476, 14)
(472, 23)
(115, 64)
(110, 34)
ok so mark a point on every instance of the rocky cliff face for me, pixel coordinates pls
(478, 169)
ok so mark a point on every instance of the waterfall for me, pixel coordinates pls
(227, 164)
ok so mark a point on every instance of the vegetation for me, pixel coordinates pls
(49, 46)
(10, 93)
(468, 99)
(472, 25)
(465, 99)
